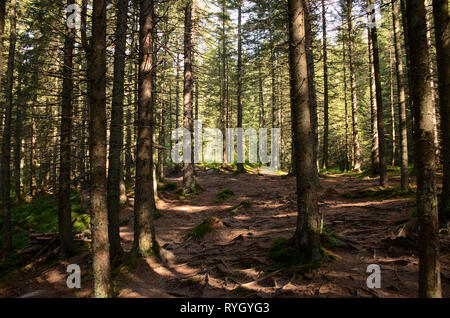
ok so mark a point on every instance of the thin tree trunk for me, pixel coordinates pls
(116, 131)
(188, 170)
(442, 33)
(344, 58)
(351, 48)
(144, 238)
(380, 118)
(99, 211)
(401, 97)
(6, 141)
(325, 89)
(307, 237)
(18, 146)
(373, 111)
(391, 84)
(240, 166)
(429, 268)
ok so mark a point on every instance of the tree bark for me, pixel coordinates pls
(429, 268)
(401, 97)
(64, 206)
(116, 131)
(144, 238)
(384, 182)
(442, 33)
(373, 112)
(99, 216)
(6, 141)
(240, 166)
(307, 237)
(325, 89)
(351, 48)
(188, 170)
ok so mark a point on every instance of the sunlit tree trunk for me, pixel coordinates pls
(401, 97)
(429, 268)
(307, 236)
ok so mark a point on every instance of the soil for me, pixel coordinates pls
(232, 260)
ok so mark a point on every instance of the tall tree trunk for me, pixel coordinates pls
(144, 238)
(433, 88)
(97, 133)
(379, 95)
(325, 88)
(18, 146)
(351, 48)
(6, 141)
(65, 159)
(373, 111)
(429, 268)
(188, 170)
(116, 131)
(344, 59)
(442, 33)
(307, 236)
(223, 109)
(391, 85)
(401, 97)
(312, 87)
(240, 166)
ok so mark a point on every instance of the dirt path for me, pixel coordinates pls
(235, 256)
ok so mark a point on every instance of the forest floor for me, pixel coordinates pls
(232, 260)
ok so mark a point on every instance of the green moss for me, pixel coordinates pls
(207, 226)
(329, 239)
(380, 193)
(224, 195)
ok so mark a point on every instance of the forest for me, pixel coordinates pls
(224, 149)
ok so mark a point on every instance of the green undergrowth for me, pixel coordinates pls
(40, 215)
(207, 226)
(224, 195)
(381, 193)
(287, 257)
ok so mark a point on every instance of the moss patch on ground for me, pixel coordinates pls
(224, 195)
(381, 193)
(207, 226)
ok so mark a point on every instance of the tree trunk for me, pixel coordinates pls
(442, 33)
(18, 146)
(116, 131)
(65, 159)
(188, 170)
(99, 216)
(401, 98)
(6, 141)
(344, 58)
(144, 238)
(351, 48)
(391, 85)
(307, 236)
(312, 87)
(373, 111)
(380, 118)
(429, 268)
(325, 89)
(240, 166)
